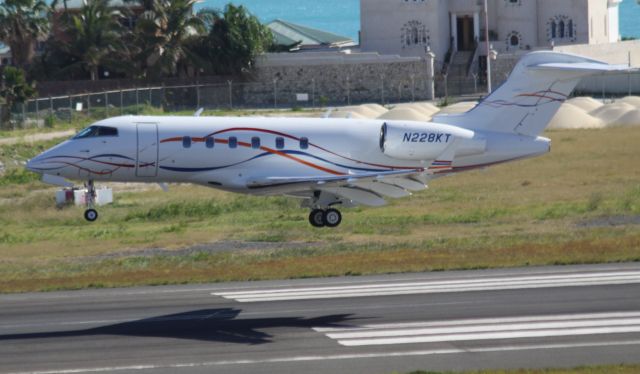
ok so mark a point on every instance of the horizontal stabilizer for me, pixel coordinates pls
(586, 67)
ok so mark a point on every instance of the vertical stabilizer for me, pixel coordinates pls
(531, 96)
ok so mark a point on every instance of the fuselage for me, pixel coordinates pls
(232, 153)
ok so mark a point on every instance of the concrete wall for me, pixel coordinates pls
(338, 78)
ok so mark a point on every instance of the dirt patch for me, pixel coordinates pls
(610, 221)
(215, 247)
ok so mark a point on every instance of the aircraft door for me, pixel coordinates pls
(147, 160)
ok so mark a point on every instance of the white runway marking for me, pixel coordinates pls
(485, 329)
(352, 356)
(426, 287)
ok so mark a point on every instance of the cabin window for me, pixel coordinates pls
(304, 143)
(186, 142)
(96, 131)
(255, 142)
(279, 142)
(210, 142)
(233, 142)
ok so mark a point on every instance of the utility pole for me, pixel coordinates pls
(486, 34)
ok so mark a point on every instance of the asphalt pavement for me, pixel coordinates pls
(512, 318)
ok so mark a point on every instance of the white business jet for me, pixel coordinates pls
(327, 163)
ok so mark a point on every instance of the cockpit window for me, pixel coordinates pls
(96, 131)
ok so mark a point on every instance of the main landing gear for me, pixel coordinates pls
(90, 214)
(325, 218)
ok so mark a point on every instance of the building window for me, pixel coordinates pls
(514, 40)
(255, 142)
(210, 142)
(570, 28)
(414, 33)
(561, 29)
(186, 141)
(304, 143)
(233, 142)
(280, 143)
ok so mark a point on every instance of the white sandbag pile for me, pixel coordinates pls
(576, 113)
(405, 113)
(573, 117)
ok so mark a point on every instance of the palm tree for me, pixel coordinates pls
(22, 22)
(236, 38)
(162, 35)
(93, 37)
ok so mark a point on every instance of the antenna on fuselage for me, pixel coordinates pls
(198, 112)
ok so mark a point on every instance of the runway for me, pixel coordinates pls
(512, 318)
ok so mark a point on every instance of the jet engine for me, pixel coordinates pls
(418, 141)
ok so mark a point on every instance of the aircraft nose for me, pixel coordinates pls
(32, 165)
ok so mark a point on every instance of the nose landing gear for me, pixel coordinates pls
(90, 214)
(325, 218)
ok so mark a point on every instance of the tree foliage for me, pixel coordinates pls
(22, 22)
(168, 40)
(162, 35)
(14, 89)
(234, 41)
(93, 37)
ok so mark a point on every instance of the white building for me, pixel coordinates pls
(407, 27)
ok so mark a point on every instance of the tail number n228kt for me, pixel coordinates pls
(425, 137)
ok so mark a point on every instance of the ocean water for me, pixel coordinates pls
(630, 18)
(340, 17)
(343, 16)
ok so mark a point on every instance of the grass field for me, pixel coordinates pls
(579, 204)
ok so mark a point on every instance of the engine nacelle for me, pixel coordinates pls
(418, 141)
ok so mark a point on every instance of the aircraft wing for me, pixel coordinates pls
(369, 189)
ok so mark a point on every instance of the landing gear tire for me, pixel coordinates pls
(316, 218)
(332, 218)
(90, 215)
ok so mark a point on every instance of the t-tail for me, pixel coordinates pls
(531, 96)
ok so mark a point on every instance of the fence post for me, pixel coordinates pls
(313, 92)
(50, 106)
(37, 113)
(137, 101)
(70, 109)
(230, 94)
(275, 93)
(413, 88)
(106, 104)
(121, 103)
(197, 95)
(475, 82)
(150, 96)
(163, 96)
(348, 90)
(446, 87)
(24, 113)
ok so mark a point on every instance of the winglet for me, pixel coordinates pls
(198, 112)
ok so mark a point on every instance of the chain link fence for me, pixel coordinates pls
(275, 94)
